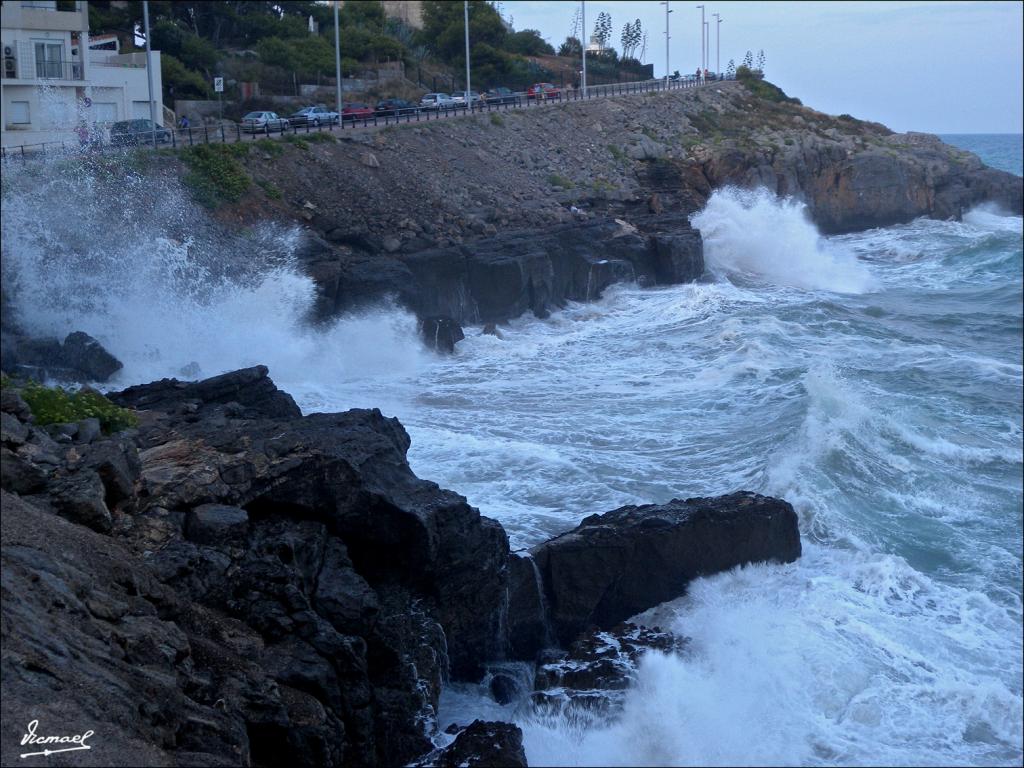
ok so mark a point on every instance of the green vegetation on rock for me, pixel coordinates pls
(757, 85)
(215, 176)
(557, 180)
(55, 405)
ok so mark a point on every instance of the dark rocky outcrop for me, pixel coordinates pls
(80, 358)
(599, 666)
(234, 583)
(441, 333)
(249, 389)
(481, 743)
(501, 277)
(618, 564)
(309, 593)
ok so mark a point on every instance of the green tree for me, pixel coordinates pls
(187, 83)
(571, 48)
(528, 42)
(443, 29)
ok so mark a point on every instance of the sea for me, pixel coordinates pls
(874, 380)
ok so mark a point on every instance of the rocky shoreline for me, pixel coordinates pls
(234, 583)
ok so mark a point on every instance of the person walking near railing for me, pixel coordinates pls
(183, 123)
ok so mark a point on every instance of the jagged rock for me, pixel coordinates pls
(12, 430)
(615, 565)
(18, 474)
(441, 333)
(217, 525)
(79, 497)
(250, 387)
(598, 667)
(82, 352)
(499, 745)
(87, 430)
(11, 402)
(528, 627)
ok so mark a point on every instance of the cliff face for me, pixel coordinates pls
(413, 187)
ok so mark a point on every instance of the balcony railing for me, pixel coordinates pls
(59, 70)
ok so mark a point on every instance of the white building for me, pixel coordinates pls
(48, 87)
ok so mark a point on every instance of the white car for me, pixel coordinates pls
(475, 98)
(314, 116)
(264, 122)
(438, 101)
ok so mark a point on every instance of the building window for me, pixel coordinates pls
(50, 60)
(19, 113)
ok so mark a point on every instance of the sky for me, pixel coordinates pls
(938, 67)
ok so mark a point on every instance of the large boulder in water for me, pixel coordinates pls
(250, 388)
(84, 353)
(441, 333)
(593, 675)
(615, 565)
(493, 744)
(80, 358)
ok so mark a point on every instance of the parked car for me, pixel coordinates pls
(543, 92)
(133, 132)
(437, 101)
(313, 116)
(356, 111)
(500, 95)
(395, 107)
(263, 122)
(474, 98)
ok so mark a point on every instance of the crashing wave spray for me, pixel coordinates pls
(93, 245)
(754, 232)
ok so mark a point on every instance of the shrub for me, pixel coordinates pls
(58, 406)
(617, 153)
(272, 192)
(324, 138)
(758, 86)
(297, 141)
(497, 119)
(556, 180)
(215, 176)
(271, 147)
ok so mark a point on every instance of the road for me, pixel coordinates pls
(231, 132)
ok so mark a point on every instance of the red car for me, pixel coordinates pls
(543, 91)
(356, 111)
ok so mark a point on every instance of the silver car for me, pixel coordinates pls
(437, 101)
(315, 116)
(263, 122)
(474, 98)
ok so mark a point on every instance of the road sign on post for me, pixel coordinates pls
(218, 86)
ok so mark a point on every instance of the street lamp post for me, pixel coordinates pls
(667, 38)
(465, 11)
(707, 44)
(583, 45)
(701, 37)
(718, 43)
(337, 66)
(83, 47)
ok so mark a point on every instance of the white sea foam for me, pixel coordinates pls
(755, 233)
(896, 637)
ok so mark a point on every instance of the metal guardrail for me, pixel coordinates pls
(229, 134)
